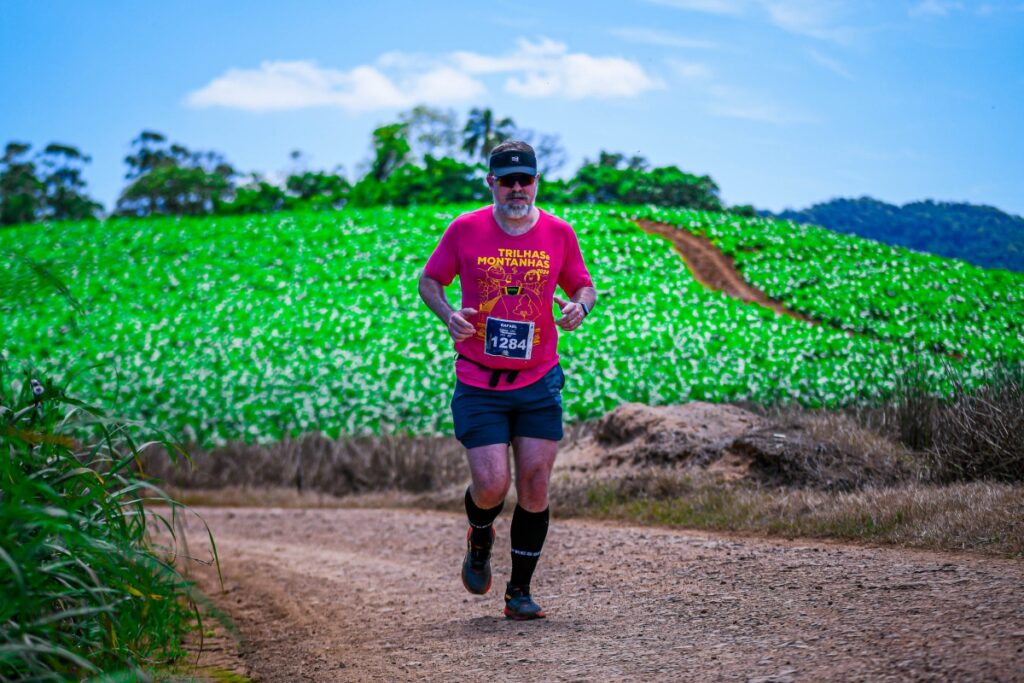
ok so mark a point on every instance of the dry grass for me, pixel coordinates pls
(824, 450)
(315, 463)
(980, 434)
(982, 517)
(974, 434)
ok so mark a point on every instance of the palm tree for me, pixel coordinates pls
(482, 134)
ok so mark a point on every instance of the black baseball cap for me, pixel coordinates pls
(513, 161)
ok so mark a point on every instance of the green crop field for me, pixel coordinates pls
(252, 327)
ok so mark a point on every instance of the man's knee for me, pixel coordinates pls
(533, 476)
(489, 493)
(491, 476)
(533, 499)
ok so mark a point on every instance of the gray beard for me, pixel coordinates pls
(515, 210)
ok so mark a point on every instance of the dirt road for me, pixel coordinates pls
(368, 595)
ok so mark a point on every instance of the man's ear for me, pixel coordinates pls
(490, 181)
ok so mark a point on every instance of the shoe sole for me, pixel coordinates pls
(486, 588)
(516, 616)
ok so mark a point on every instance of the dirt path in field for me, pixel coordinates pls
(714, 269)
(374, 595)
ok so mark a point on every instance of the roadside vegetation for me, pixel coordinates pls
(904, 473)
(944, 474)
(87, 593)
(85, 590)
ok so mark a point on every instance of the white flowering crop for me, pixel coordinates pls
(251, 327)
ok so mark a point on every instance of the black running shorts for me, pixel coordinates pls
(488, 416)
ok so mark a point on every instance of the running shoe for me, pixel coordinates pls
(476, 568)
(519, 606)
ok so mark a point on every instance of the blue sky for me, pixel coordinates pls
(783, 102)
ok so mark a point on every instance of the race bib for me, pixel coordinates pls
(509, 338)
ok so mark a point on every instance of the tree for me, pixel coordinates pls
(391, 149)
(175, 191)
(743, 210)
(63, 187)
(317, 190)
(431, 131)
(440, 180)
(613, 179)
(21, 191)
(482, 133)
(637, 163)
(610, 159)
(172, 180)
(148, 155)
(257, 196)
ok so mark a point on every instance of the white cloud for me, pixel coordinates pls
(650, 36)
(445, 84)
(277, 86)
(547, 69)
(534, 69)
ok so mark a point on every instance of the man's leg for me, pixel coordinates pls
(485, 498)
(534, 460)
(489, 468)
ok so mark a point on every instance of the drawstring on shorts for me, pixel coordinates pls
(510, 375)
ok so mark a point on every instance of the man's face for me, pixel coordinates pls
(513, 194)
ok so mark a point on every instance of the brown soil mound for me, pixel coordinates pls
(636, 435)
(732, 443)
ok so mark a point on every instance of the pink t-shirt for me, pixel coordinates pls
(510, 280)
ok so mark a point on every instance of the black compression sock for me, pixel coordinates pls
(529, 529)
(481, 520)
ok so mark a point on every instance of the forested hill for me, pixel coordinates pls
(982, 235)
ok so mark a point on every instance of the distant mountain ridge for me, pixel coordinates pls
(982, 235)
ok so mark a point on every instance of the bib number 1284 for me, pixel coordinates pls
(509, 338)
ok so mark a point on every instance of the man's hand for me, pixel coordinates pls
(459, 326)
(572, 314)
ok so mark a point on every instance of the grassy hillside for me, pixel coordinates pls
(252, 327)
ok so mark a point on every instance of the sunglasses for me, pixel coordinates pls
(510, 180)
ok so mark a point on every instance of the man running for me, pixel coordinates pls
(509, 257)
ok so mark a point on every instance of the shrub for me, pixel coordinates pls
(84, 591)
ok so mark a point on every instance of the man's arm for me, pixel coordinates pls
(432, 293)
(572, 311)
